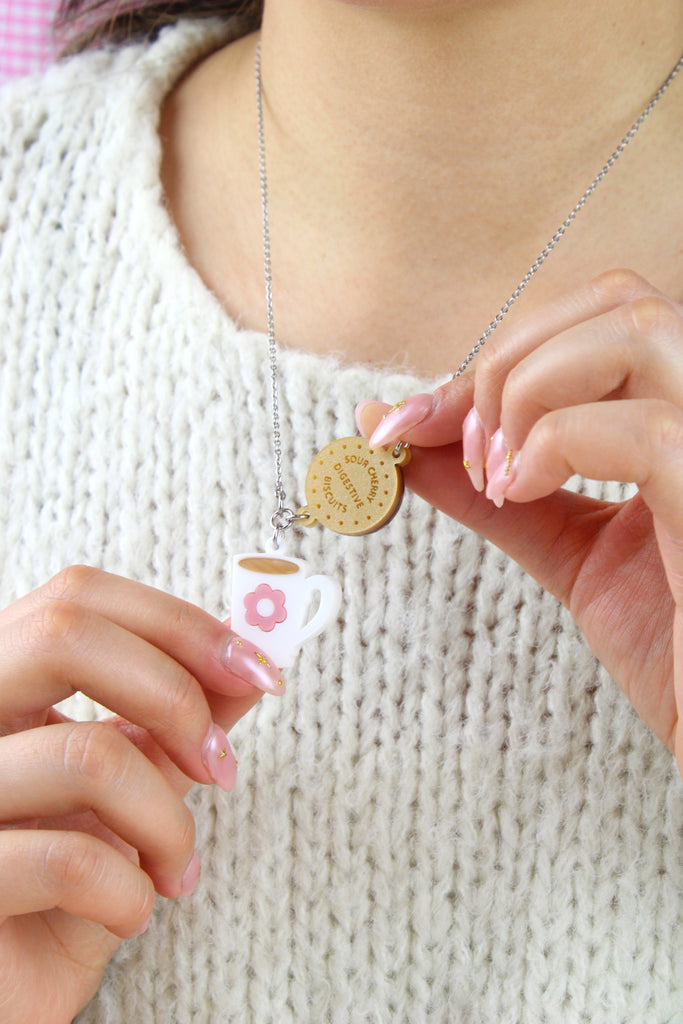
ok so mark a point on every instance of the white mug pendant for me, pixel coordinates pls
(271, 600)
(352, 488)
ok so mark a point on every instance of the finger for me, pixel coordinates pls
(369, 414)
(509, 347)
(430, 421)
(638, 441)
(204, 645)
(65, 647)
(424, 420)
(632, 351)
(225, 712)
(549, 538)
(73, 871)
(68, 769)
(557, 540)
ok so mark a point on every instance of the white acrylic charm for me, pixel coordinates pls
(271, 601)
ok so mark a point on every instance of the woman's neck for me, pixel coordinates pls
(421, 153)
(397, 107)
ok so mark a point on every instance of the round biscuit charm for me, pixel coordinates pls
(354, 489)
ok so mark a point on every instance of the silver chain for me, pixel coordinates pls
(569, 219)
(283, 517)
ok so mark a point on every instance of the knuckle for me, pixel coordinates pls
(181, 620)
(492, 363)
(71, 860)
(70, 583)
(620, 285)
(654, 317)
(178, 708)
(94, 752)
(186, 700)
(489, 363)
(516, 387)
(55, 624)
(664, 428)
(551, 432)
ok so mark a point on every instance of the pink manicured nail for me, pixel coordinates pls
(502, 472)
(249, 663)
(474, 448)
(219, 759)
(497, 453)
(401, 418)
(191, 876)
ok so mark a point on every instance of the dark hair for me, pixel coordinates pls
(80, 24)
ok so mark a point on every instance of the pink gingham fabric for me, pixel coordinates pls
(25, 39)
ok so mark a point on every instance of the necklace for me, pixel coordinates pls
(351, 488)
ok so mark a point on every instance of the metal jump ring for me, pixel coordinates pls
(281, 519)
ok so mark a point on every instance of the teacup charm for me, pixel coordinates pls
(271, 598)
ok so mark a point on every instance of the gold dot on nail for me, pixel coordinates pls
(261, 660)
(223, 754)
(238, 643)
(466, 463)
(508, 462)
(280, 682)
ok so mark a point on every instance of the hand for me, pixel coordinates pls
(92, 818)
(591, 384)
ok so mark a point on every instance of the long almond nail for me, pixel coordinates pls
(401, 418)
(474, 448)
(497, 453)
(502, 477)
(245, 660)
(219, 759)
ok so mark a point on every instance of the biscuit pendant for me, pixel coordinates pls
(352, 488)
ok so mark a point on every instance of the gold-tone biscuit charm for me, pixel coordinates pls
(352, 488)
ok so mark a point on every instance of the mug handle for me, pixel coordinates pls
(330, 603)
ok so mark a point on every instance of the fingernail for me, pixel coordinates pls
(191, 876)
(474, 448)
(401, 418)
(219, 759)
(245, 660)
(502, 477)
(497, 453)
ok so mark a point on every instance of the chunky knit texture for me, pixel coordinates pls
(453, 815)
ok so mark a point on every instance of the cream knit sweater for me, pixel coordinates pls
(453, 815)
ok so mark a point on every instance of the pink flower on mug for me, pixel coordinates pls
(265, 607)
